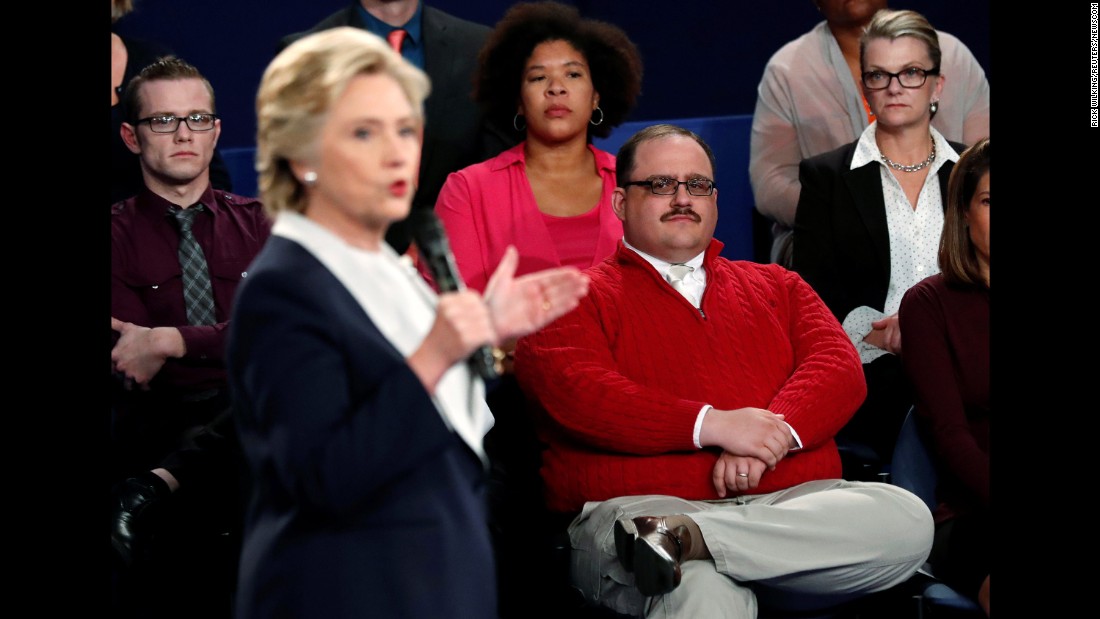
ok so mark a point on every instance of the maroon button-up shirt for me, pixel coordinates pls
(146, 280)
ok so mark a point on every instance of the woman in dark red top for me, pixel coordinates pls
(945, 327)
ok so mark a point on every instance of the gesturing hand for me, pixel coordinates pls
(522, 305)
(511, 307)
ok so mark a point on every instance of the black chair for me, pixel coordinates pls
(913, 468)
(859, 462)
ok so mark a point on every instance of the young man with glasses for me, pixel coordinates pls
(689, 405)
(179, 249)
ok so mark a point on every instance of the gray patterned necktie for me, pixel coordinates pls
(198, 296)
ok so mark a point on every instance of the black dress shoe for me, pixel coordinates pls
(137, 507)
(647, 547)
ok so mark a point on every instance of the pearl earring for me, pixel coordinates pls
(309, 178)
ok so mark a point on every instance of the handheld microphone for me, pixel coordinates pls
(431, 241)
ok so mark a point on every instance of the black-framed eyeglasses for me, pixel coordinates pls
(664, 186)
(169, 124)
(913, 77)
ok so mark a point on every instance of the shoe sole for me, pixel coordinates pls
(655, 573)
(626, 534)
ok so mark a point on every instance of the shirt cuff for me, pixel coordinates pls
(699, 425)
(703, 413)
(857, 324)
(797, 439)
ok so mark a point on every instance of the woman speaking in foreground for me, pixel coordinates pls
(360, 422)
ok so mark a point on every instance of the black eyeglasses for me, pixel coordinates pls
(169, 124)
(664, 186)
(913, 77)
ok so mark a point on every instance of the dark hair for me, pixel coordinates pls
(957, 258)
(613, 60)
(624, 160)
(163, 68)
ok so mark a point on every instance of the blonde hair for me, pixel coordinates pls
(296, 93)
(890, 24)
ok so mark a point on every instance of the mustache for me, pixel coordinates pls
(680, 212)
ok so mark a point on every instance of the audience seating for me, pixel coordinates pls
(913, 468)
(242, 170)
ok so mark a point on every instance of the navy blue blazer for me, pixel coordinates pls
(841, 242)
(363, 503)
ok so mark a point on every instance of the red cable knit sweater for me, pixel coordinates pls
(618, 383)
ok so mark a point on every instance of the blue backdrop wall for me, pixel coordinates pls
(232, 41)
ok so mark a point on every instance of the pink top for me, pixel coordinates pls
(488, 206)
(575, 237)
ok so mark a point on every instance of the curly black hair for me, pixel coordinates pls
(613, 60)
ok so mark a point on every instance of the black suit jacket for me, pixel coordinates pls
(841, 242)
(455, 132)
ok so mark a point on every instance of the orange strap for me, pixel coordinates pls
(870, 115)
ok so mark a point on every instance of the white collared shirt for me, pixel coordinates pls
(695, 282)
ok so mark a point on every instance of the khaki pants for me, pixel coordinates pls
(827, 541)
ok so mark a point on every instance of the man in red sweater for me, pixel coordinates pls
(689, 406)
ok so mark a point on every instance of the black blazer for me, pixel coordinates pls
(455, 132)
(841, 242)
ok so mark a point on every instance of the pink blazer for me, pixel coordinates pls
(488, 206)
